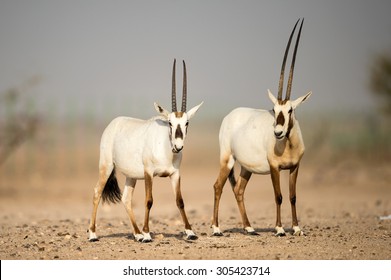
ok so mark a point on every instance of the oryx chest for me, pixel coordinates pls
(285, 154)
(164, 165)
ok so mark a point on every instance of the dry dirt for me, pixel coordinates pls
(340, 208)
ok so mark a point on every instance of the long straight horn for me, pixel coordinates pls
(289, 86)
(184, 93)
(281, 83)
(173, 91)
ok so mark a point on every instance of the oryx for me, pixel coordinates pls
(143, 149)
(262, 142)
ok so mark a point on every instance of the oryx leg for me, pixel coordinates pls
(239, 190)
(176, 185)
(275, 174)
(148, 205)
(292, 196)
(225, 170)
(127, 198)
(104, 174)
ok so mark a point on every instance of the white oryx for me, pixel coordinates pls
(143, 149)
(262, 142)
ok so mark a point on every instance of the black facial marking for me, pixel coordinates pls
(178, 132)
(290, 125)
(170, 128)
(280, 119)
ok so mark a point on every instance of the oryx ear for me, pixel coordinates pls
(300, 100)
(271, 97)
(163, 112)
(193, 110)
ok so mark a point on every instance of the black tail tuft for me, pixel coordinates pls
(231, 177)
(111, 192)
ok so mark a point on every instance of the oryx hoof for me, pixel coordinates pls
(146, 237)
(93, 237)
(280, 232)
(250, 231)
(139, 237)
(190, 235)
(217, 231)
(297, 231)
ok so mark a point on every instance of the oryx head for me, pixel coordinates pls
(284, 109)
(178, 121)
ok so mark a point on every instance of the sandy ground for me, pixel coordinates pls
(340, 209)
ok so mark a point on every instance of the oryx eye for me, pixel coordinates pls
(273, 111)
(170, 124)
(187, 123)
(290, 111)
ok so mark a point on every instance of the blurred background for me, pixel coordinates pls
(69, 67)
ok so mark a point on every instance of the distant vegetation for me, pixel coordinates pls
(380, 79)
(18, 122)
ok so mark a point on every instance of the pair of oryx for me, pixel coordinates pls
(262, 142)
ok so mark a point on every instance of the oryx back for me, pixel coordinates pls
(135, 146)
(245, 136)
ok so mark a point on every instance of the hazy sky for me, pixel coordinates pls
(117, 55)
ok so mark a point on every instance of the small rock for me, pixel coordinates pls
(381, 227)
(159, 237)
